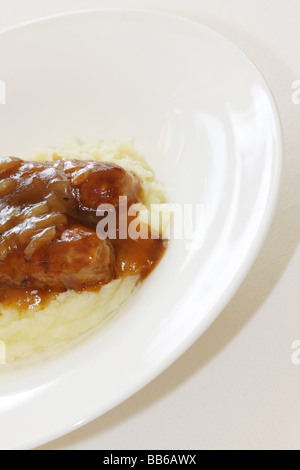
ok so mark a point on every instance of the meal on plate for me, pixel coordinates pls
(73, 246)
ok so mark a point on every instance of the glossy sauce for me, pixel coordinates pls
(22, 299)
(48, 241)
(137, 256)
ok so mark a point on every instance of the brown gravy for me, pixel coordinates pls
(29, 280)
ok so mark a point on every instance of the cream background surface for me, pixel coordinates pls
(236, 387)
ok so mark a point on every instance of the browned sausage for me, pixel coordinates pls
(43, 208)
(75, 259)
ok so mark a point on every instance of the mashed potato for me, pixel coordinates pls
(71, 314)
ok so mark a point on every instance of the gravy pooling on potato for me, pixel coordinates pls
(48, 240)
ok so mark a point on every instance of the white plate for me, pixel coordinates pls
(204, 118)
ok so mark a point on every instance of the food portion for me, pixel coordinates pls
(48, 219)
(50, 249)
(57, 259)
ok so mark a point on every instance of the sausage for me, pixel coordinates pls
(74, 187)
(96, 183)
(76, 259)
(48, 219)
